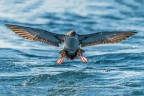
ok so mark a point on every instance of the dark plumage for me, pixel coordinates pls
(72, 41)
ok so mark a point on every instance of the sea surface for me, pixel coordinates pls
(29, 68)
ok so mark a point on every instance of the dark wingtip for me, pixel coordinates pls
(11, 25)
(8, 25)
(133, 33)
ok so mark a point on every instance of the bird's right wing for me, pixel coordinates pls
(103, 37)
(37, 34)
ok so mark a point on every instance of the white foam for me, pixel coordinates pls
(126, 74)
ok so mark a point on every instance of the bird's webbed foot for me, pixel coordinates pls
(60, 61)
(84, 59)
(80, 54)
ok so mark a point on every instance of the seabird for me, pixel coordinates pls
(73, 42)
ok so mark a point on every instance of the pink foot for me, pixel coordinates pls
(60, 61)
(84, 59)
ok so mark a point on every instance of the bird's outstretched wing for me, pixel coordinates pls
(37, 34)
(103, 37)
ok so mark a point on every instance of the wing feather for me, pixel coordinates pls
(103, 37)
(37, 34)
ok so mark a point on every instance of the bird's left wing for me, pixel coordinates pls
(37, 34)
(103, 37)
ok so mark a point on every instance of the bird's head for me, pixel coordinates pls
(72, 34)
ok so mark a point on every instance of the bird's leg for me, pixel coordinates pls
(60, 61)
(84, 59)
(62, 53)
(79, 54)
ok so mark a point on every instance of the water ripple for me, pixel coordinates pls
(29, 67)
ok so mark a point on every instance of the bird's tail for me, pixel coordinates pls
(77, 54)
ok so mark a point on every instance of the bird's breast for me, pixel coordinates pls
(71, 43)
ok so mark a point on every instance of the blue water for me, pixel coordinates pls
(29, 68)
